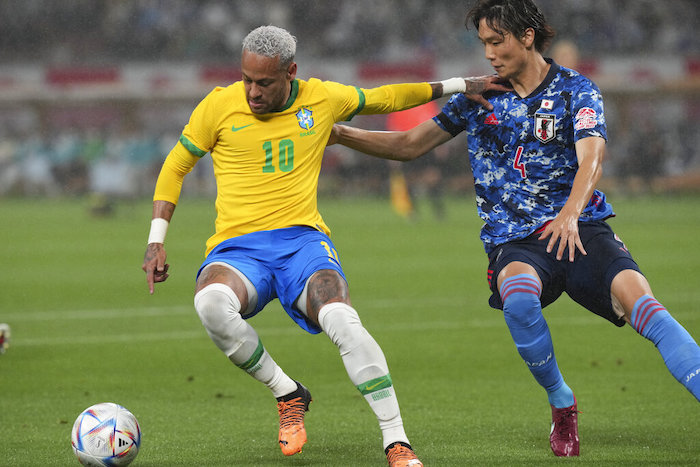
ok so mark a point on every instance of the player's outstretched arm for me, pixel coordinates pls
(154, 260)
(394, 145)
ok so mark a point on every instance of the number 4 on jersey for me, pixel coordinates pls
(518, 164)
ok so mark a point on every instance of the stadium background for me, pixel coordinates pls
(95, 92)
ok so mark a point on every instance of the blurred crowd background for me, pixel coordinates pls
(102, 31)
(78, 140)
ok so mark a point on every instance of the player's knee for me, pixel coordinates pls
(520, 295)
(215, 304)
(342, 324)
(219, 310)
(523, 309)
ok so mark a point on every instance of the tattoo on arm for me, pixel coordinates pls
(437, 90)
(475, 85)
(163, 209)
(151, 251)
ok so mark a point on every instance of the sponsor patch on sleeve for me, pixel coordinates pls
(585, 119)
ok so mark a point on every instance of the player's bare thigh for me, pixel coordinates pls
(324, 286)
(626, 288)
(513, 269)
(216, 273)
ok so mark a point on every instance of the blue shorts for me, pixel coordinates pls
(278, 263)
(587, 280)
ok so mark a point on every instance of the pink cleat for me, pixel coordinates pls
(563, 436)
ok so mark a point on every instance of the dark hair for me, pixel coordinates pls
(513, 16)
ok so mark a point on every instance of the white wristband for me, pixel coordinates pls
(159, 227)
(453, 85)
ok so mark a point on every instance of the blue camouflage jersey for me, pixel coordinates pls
(522, 153)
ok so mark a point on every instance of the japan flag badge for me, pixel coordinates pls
(547, 104)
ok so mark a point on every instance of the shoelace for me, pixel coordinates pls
(400, 453)
(291, 412)
(564, 419)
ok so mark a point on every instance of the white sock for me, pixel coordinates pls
(366, 365)
(218, 308)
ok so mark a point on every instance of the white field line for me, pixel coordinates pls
(466, 319)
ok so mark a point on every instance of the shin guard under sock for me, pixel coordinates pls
(522, 310)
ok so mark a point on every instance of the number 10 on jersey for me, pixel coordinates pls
(285, 159)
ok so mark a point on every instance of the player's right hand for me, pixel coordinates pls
(154, 265)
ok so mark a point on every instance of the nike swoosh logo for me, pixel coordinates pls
(233, 128)
(369, 388)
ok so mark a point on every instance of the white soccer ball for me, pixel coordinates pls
(106, 434)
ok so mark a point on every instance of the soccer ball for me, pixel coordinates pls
(106, 434)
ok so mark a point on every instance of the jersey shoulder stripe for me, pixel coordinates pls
(194, 150)
(360, 105)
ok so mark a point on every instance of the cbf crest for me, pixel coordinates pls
(305, 118)
(544, 127)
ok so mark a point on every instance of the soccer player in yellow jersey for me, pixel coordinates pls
(266, 135)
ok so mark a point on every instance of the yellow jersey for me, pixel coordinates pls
(267, 166)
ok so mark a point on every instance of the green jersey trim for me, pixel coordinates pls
(360, 105)
(194, 150)
(292, 96)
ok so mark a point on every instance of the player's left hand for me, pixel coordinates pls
(564, 229)
(477, 86)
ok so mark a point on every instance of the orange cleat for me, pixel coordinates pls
(400, 454)
(292, 408)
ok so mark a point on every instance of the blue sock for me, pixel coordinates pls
(522, 310)
(680, 352)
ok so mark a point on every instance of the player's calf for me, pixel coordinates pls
(679, 350)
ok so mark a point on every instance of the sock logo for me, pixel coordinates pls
(692, 375)
(379, 395)
(541, 362)
(372, 387)
(375, 385)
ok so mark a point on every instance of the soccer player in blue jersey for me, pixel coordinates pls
(536, 158)
(266, 135)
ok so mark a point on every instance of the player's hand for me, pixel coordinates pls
(477, 86)
(154, 265)
(564, 229)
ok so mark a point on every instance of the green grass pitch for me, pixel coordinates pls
(85, 330)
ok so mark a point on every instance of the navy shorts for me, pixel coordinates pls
(587, 280)
(278, 263)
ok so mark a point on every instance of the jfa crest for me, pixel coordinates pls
(544, 127)
(305, 118)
